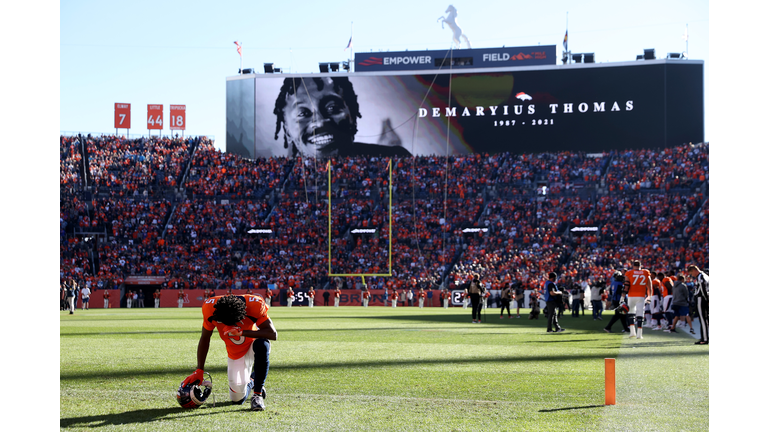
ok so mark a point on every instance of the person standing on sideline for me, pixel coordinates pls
(394, 298)
(128, 299)
(701, 301)
(640, 292)
(486, 295)
(135, 298)
(70, 296)
(336, 297)
(422, 295)
(289, 300)
(617, 289)
(596, 298)
(465, 298)
(656, 301)
(475, 294)
(366, 296)
(519, 297)
(106, 298)
(446, 298)
(506, 298)
(268, 297)
(550, 293)
(311, 297)
(680, 304)
(140, 295)
(409, 294)
(667, 288)
(326, 295)
(576, 300)
(157, 295)
(85, 294)
(181, 297)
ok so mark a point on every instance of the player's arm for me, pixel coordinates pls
(265, 331)
(202, 354)
(649, 289)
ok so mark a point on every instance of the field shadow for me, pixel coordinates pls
(375, 363)
(572, 408)
(135, 416)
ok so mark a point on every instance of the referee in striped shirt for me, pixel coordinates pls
(701, 301)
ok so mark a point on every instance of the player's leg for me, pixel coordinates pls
(703, 308)
(239, 377)
(636, 310)
(261, 349)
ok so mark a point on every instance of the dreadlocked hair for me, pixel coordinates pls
(339, 83)
(229, 310)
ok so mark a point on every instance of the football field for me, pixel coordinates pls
(383, 369)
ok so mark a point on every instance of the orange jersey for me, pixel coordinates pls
(255, 315)
(656, 285)
(337, 294)
(366, 294)
(422, 294)
(664, 290)
(639, 281)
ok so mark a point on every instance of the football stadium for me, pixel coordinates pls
(510, 237)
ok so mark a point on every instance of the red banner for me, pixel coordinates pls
(194, 298)
(155, 117)
(122, 116)
(178, 117)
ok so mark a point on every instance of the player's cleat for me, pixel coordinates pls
(640, 337)
(501, 316)
(257, 403)
(701, 343)
(606, 330)
(560, 330)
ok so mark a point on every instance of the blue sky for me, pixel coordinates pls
(174, 52)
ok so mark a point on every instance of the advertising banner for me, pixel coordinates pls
(456, 59)
(590, 108)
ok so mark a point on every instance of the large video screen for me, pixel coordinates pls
(585, 108)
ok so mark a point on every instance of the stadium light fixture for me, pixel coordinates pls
(345, 66)
(334, 67)
(639, 57)
(649, 54)
(576, 58)
(268, 68)
(673, 55)
(323, 67)
(278, 70)
(589, 57)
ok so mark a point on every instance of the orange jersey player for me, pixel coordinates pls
(106, 299)
(157, 294)
(640, 291)
(244, 326)
(336, 297)
(311, 297)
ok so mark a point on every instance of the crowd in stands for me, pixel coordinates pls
(642, 204)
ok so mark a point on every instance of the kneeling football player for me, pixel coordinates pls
(243, 324)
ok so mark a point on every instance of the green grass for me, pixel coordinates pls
(383, 369)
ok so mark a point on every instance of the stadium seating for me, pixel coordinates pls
(179, 207)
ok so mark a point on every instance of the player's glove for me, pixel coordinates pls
(233, 331)
(196, 376)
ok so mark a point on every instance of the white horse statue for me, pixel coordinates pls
(451, 21)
